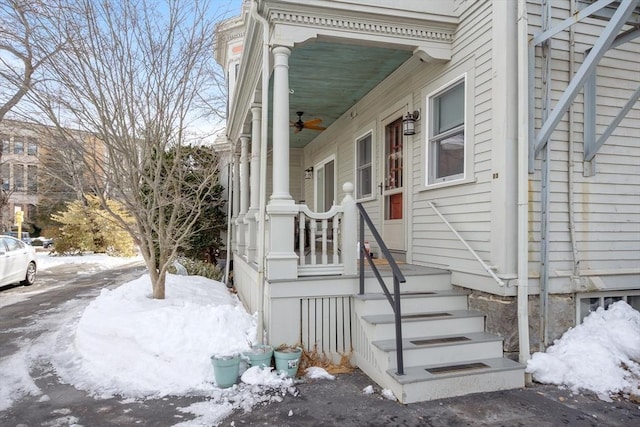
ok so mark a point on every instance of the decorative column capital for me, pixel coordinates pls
(256, 110)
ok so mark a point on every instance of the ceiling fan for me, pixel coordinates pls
(309, 124)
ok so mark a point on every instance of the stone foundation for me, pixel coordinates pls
(502, 318)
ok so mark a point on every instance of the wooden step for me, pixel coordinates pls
(446, 322)
(432, 350)
(413, 301)
(417, 279)
(428, 382)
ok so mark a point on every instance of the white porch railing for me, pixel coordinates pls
(318, 238)
(324, 240)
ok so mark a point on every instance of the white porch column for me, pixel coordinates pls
(244, 193)
(251, 217)
(235, 199)
(282, 261)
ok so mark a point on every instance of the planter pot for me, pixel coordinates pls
(259, 355)
(287, 360)
(226, 370)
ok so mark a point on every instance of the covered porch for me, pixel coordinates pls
(293, 214)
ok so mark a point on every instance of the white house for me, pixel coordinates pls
(494, 147)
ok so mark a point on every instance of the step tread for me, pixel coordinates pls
(409, 294)
(425, 316)
(414, 374)
(446, 341)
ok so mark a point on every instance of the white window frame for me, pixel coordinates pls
(357, 167)
(432, 140)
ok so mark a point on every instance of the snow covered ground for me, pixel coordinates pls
(126, 344)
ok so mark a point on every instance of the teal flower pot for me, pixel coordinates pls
(287, 360)
(259, 355)
(226, 370)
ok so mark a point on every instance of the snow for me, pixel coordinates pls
(601, 355)
(148, 348)
(154, 348)
(368, 390)
(316, 372)
(91, 262)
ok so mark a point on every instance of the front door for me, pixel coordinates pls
(393, 229)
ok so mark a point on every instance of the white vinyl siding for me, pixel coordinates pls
(606, 205)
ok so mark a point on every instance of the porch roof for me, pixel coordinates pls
(340, 50)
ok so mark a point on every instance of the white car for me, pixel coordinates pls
(17, 262)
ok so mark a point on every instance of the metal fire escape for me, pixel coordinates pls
(622, 19)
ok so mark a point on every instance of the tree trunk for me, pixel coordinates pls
(158, 286)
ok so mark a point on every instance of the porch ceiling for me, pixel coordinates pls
(326, 79)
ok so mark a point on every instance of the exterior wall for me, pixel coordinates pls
(467, 206)
(482, 207)
(606, 205)
(23, 196)
(26, 195)
(245, 278)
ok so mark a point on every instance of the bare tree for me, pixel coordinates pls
(134, 74)
(25, 45)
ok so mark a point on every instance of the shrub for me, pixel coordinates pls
(200, 268)
(89, 228)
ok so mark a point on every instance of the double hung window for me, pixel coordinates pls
(364, 170)
(446, 147)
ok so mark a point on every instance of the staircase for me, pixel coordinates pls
(445, 347)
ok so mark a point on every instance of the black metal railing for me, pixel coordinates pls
(398, 278)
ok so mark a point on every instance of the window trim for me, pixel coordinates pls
(316, 168)
(362, 135)
(429, 180)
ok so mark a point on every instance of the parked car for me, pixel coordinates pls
(42, 241)
(24, 236)
(17, 262)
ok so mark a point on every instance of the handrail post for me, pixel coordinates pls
(398, 321)
(361, 254)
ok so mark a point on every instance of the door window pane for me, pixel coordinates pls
(394, 206)
(393, 155)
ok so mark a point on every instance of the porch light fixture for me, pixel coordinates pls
(308, 173)
(409, 123)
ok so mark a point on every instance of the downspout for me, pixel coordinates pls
(571, 168)
(263, 166)
(523, 184)
(229, 203)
